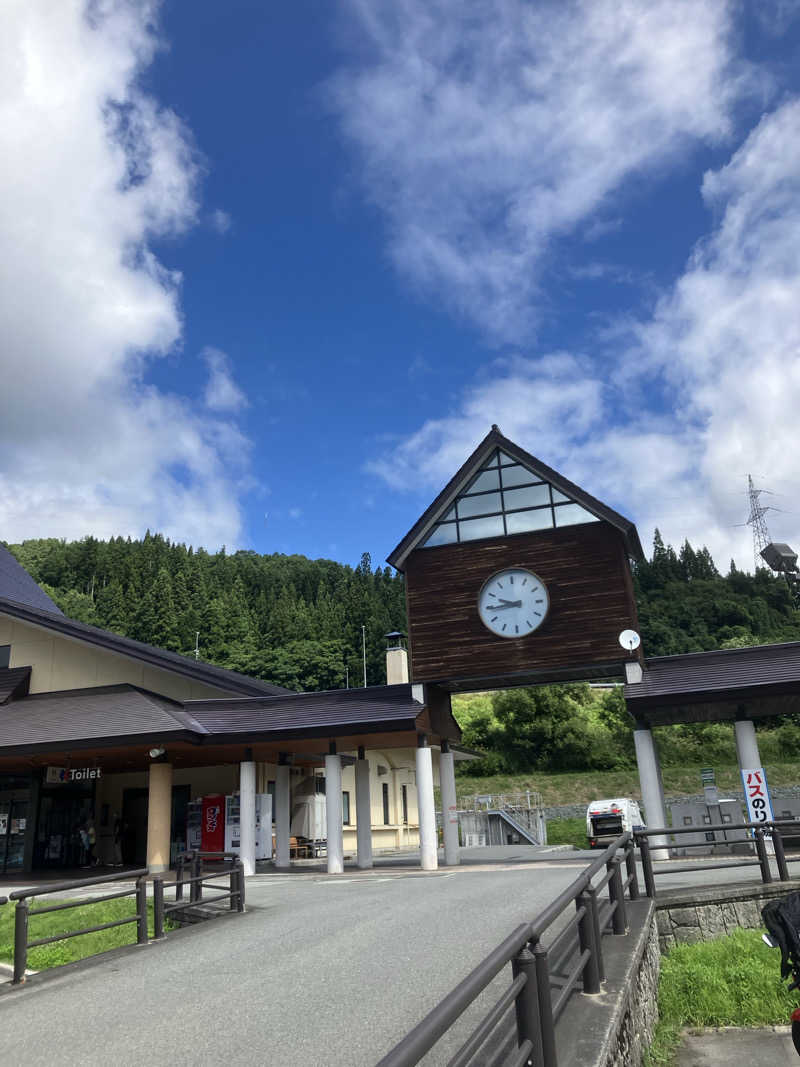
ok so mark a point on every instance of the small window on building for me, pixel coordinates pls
(405, 805)
(5, 655)
(784, 814)
(726, 817)
(319, 785)
(707, 820)
(710, 837)
(385, 791)
(687, 820)
(346, 808)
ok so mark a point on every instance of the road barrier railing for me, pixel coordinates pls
(24, 911)
(197, 880)
(543, 977)
(761, 832)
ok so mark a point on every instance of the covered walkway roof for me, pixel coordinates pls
(711, 686)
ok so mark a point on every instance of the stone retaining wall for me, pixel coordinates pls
(701, 914)
(640, 1009)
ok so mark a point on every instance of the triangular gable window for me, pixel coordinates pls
(505, 498)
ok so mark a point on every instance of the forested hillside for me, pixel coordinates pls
(294, 621)
(297, 622)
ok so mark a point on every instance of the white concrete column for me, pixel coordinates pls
(428, 846)
(282, 815)
(247, 816)
(447, 787)
(746, 745)
(652, 791)
(333, 813)
(363, 813)
(159, 817)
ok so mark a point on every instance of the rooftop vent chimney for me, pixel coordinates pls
(396, 658)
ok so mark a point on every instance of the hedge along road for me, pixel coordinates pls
(319, 970)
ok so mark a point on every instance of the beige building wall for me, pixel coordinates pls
(63, 663)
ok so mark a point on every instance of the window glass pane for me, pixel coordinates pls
(505, 459)
(520, 521)
(485, 480)
(517, 476)
(533, 496)
(479, 505)
(450, 516)
(492, 460)
(445, 534)
(492, 526)
(559, 498)
(572, 514)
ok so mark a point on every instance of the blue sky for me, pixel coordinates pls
(274, 270)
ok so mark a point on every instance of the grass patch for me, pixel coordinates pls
(730, 981)
(567, 832)
(581, 787)
(74, 948)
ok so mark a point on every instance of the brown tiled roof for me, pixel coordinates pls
(100, 713)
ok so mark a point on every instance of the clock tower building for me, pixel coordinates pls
(516, 576)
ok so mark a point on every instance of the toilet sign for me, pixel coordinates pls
(756, 793)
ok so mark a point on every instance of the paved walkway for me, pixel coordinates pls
(739, 1048)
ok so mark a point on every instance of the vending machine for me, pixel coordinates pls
(263, 825)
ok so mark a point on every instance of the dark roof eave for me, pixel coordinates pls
(38, 748)
(324, 730)
(494, 439)
(205, 673)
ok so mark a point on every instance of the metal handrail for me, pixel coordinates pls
(772, 828)
(531, 991)
(23, 912)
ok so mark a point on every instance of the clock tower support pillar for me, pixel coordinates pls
(428, 849)
(447, 787)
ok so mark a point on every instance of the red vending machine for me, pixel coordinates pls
(212, 838)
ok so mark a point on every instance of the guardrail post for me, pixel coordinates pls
(586, 940)
(630, 866)
(647, 867)
(20, 942)
(141, 910)
(616, 894)
(158, 907)
(548, 1028)
(529, 1020)
(240, 886)
(763, 858)
(780, 854)
(196, 892)
(594, 913)
(179, 865)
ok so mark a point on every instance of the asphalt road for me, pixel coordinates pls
(318, 971)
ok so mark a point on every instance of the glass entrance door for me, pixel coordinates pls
(13, 827)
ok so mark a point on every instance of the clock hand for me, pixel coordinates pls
(506, 605)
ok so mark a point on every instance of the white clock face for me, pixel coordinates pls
(513, 603)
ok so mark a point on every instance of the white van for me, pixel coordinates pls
(607, 819)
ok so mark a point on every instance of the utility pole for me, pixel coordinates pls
(197, 644)
(364, 651)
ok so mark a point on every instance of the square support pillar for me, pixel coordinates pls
(159, 817)
(363, 814)
(282, 816)
(247, 816)
(447, 787)
(428, 845)
(333, 813)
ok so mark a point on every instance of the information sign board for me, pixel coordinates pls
(756, 794)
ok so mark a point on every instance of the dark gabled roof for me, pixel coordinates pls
(730, 676)
(16, 584)
(495, 439)
(338, 710)
(103, 713)
(14, 682)
(196, 670)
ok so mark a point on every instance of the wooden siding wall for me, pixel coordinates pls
(587, 575)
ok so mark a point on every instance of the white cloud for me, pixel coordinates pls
(666, 426)
(222, 393)
(93, 168)
(489, 131)
(220, 220)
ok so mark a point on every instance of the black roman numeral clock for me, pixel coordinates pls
(515, 575)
